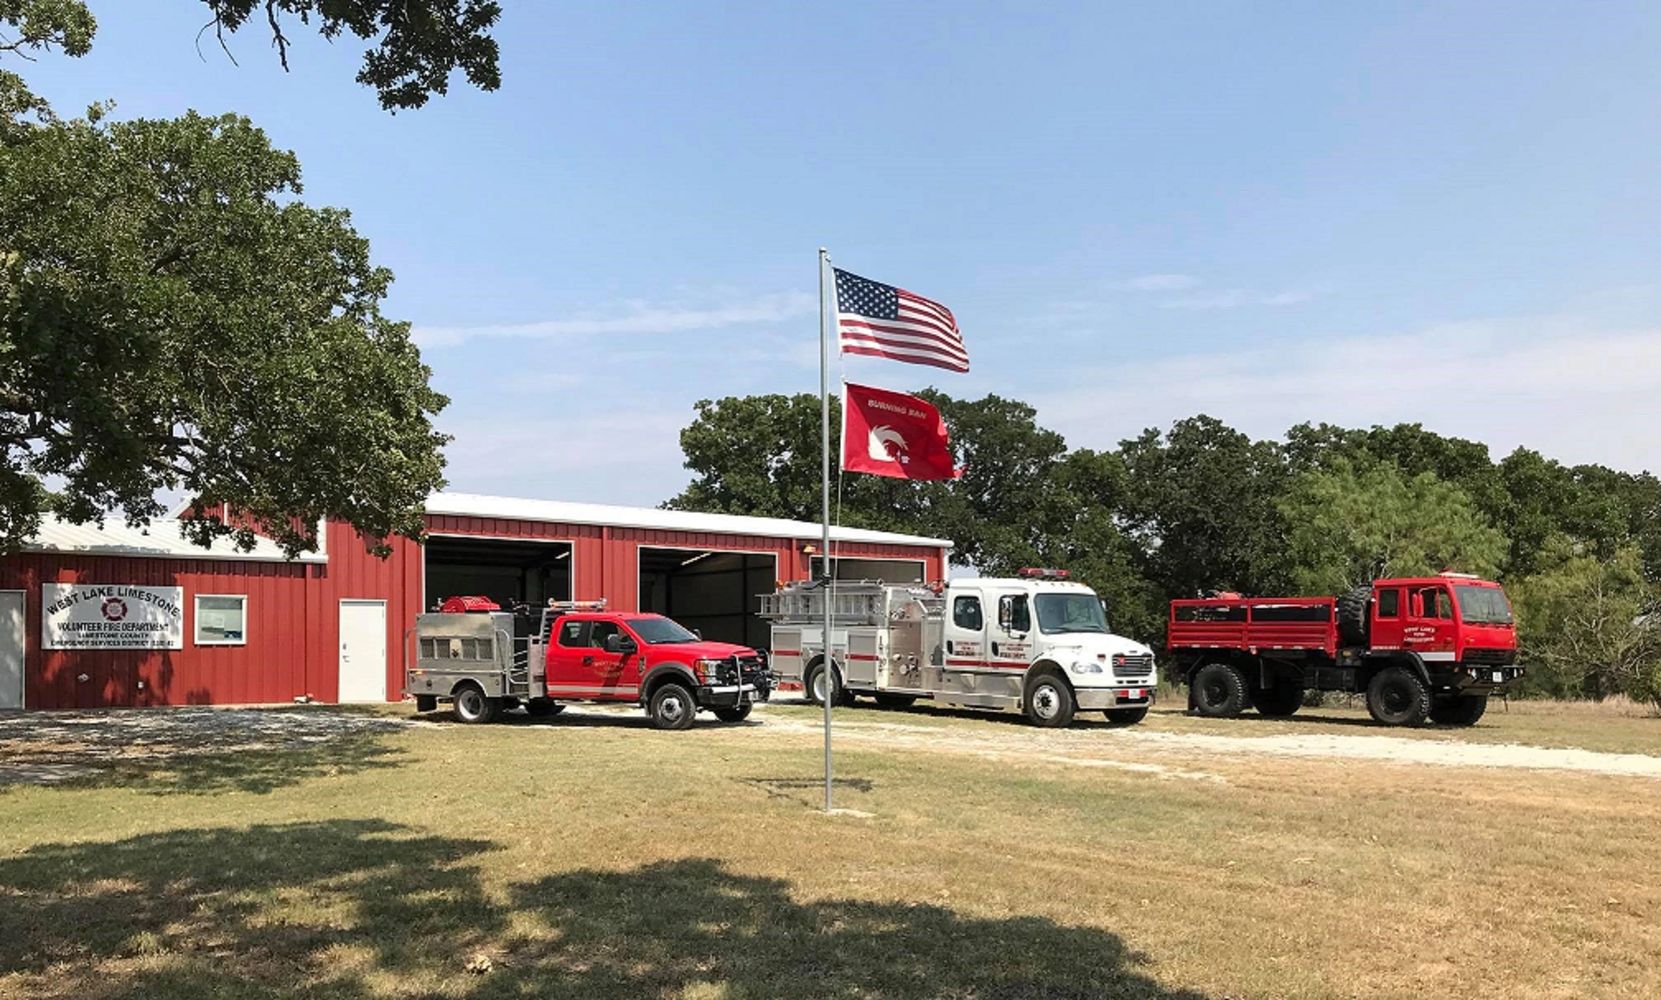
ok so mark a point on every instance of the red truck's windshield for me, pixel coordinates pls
(1483, 605)
(660, 631)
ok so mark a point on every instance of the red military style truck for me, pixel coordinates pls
(1431, 647)
(484, 660)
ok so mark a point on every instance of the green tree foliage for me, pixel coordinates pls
(172, 318)
(416, 44)
(1201, 502)
(1022, 500)
(1593, 624)
(1348, 526)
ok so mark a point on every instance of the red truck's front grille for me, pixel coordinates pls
(1500, 657)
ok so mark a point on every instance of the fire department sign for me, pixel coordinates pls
(111, 616)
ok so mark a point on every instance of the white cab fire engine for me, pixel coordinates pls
(1036, 643)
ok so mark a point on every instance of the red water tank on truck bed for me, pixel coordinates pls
(1419, 647)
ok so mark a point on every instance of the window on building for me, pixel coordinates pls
(966, 613)
(221, 620)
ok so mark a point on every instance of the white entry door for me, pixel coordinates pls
(362, 651)
(11, 649)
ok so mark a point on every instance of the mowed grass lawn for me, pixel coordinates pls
(594, 857)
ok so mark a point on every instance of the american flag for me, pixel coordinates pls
(887, 322)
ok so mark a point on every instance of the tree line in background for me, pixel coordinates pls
(1201, 505)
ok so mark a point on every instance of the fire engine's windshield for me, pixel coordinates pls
(1483, 605)
(1070, 613)
(659, 631)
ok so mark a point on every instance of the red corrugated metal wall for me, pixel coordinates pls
(293, 623)
(272, 666)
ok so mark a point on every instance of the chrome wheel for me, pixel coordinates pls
(1046, 701)
(672, 708)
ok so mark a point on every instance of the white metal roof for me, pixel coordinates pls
(607, 515)
(162, 538)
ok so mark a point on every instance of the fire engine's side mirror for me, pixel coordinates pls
(619, 643)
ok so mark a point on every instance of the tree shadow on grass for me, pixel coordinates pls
(358, 908)
(259, 771)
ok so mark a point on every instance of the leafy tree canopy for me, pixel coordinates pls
(417, 44)
(1593, 624)
(1201, 502)
(172, 318)
(1348, 526)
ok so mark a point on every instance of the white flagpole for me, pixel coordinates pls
(828, 670)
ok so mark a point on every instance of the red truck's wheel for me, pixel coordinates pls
(1219, 691)
(1398, 697)
(672, 707)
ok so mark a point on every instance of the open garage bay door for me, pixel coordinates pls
(717, 593)
(504, 570)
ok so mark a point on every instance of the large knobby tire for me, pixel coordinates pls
(1219, 691)
(672, 707)
(1398, 697)
(733, 713)
(1352, 616)
(1126, 716)
(1459, 710)
(1049, 702)
(895, 700)
(1278, 702)
(472, 707)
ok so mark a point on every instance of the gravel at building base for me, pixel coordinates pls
(50, 747)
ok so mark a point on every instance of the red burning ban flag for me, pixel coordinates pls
(893, 434)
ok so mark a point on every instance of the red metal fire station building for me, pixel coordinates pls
(114, 616)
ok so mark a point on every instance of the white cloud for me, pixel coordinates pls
(1577, 394)
(1234, 298)
(633, 318)
(1160, 282)
(601, 455)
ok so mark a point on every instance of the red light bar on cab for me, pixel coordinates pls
(1042, 573)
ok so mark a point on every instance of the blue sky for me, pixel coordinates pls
(1353, 212)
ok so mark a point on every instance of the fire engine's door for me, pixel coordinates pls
(567, 648)
(1429, 627)
(1389, 619)
(608, 670)
(965, 631)
(1007, 632)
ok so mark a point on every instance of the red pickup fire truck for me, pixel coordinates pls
(1421, 647)
(484, 660)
